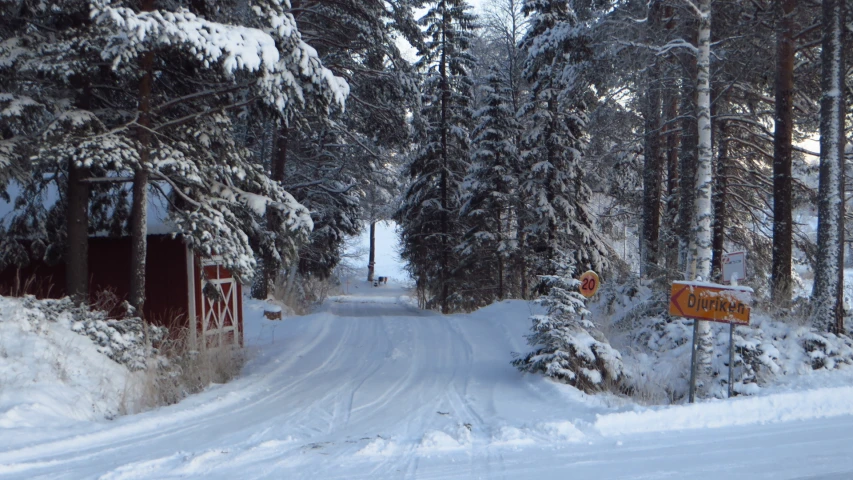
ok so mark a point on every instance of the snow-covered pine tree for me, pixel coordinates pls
(206, 69)
(238, 64)
(556, 194)
(429, 215)
(567, 346)
(49, 66)
(489, 243)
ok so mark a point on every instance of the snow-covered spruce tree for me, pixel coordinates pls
(553, 143)
(827, 297)
(499, 54)
(567, 346)
(429, 214)
(489, 244)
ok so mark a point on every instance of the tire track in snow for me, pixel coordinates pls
(162, 426)
(296, 386)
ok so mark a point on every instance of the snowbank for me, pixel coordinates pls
(51, 376)
(769, 353)
(820, 403)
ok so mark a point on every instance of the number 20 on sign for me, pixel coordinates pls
(589, 283)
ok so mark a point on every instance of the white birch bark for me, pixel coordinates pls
(830, 235)
(704, 178)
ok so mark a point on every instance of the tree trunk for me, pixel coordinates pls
(371, 260)
(687, 166)
(673, 140)
(720, 210)
(652, 164)
(278, 162)
(139, 208)
(139, 240)
(500, 278)
(704, 176)
(445, 204)
(828, 283)
(499, 261)
(77, 225)
(781, 281)
(522, 256)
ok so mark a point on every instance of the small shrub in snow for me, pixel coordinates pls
(182, 370)
(301, 294)
(566, 346)
(122, 339)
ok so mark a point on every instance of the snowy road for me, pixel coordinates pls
(372, 388)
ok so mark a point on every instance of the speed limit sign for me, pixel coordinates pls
(589, 283)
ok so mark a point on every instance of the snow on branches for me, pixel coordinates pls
(290, 69)
(567, 346)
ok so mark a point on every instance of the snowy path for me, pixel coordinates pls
(372, 388)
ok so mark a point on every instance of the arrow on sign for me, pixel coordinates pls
(673, 300)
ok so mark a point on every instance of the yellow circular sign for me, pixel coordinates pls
(589, 283)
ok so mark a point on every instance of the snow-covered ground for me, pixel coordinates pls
(52, 378)
(370, 387)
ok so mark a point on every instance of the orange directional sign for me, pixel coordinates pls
(589, 283)
(712, 303)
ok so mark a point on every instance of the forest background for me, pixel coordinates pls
(529, 140)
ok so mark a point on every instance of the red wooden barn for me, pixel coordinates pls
(180, 285)
(182, 289)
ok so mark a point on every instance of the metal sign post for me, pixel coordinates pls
(693, 360)
(731, 357)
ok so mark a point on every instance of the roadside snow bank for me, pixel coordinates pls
(52, 376)
(784, 407)
(768, 352)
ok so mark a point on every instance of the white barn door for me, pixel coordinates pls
(219, 313)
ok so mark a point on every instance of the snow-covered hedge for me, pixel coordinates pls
(122, 340)
(50, 375)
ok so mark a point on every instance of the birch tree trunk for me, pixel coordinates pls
(828, 285)
(704, 176)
